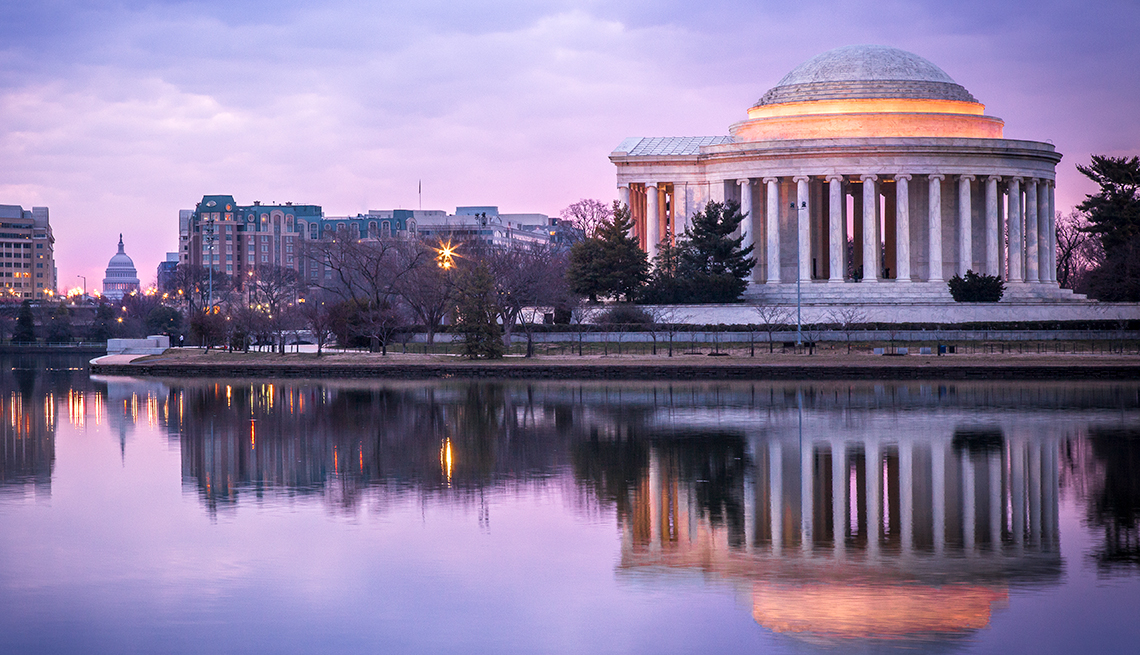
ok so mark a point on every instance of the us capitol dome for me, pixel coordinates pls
(871, 144)
(122, 278)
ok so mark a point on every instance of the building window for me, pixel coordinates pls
(265, 259)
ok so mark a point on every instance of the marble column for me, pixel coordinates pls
(1052, 231)
(965, 225)
(871, 241)
(652, 220)
(773, 231)
(836, 224)
(680, 213)
(1016, 254)
(1031, 230)
(803, 224)
(746, 231)
(934, 221)
(623, 194)
(1044, 242)
(902, 228)
(993, 229)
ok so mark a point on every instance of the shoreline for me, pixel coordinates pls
(856, 366)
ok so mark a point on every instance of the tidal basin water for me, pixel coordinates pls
(238, 516)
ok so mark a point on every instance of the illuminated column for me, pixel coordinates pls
(1052, 231)
(746, 229)
(965, 225)
(776, 495)
(803, 225)
(836, 223)
(623, 194)
(934, 221)
(838, 495)
(652, 220)
(871, 242)
(1031, 230)
(906, 494)
(680, 213)
(1016, 254)
(807, 509)
(938, 487)
(993, 226)
(1044, 242)
(773, 219)
(902, 228)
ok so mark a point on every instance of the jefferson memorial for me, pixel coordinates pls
(870, 145)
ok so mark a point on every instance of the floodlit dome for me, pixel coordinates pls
(122, 278)
(866, 91)
(865, 71)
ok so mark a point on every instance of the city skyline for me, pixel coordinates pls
(119, 116)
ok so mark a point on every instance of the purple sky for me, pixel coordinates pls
(117, 114)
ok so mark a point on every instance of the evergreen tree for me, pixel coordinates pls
(1114, 212)
(1114, 217)
(59, 326)
(708, 264)
(611, 264)
(476, 315)
(25, 331)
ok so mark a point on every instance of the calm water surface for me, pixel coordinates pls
(295, 517)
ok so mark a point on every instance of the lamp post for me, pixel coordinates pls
(84, 287)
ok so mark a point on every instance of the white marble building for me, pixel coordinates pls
(869, 144)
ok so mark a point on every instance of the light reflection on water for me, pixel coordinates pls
(837, 515)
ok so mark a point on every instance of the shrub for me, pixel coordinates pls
(976, 288)
(625, 315)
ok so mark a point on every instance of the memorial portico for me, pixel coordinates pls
(869, 146)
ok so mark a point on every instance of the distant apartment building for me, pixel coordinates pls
(27, 253)
(235, 239)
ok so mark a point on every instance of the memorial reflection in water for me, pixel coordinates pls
(843, 512)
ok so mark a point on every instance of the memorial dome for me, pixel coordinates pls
(864, 72)
(866, 91)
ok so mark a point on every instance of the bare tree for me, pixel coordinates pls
(846, 319)
(273, 290)
(771, 318)
(316, 309)
(526, 277)
(1078, 251)
(667, 319)
(365, 271)
(587, 215)
(427, 287)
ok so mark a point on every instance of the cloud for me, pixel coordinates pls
(117, 114)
